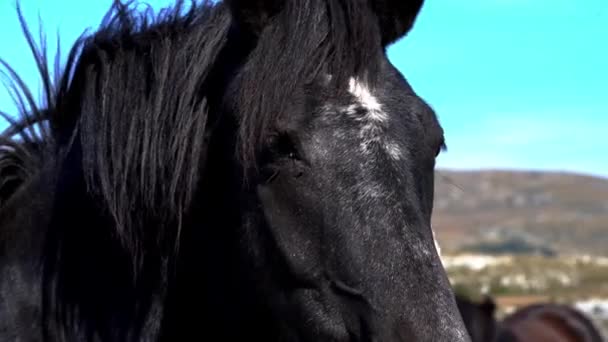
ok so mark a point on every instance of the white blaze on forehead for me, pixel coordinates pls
(366, 100)
(370, 113)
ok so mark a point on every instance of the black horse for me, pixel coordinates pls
(249, 170)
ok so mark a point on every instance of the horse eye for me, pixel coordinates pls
(284, 146)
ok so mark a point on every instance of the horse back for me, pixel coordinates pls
(551, 323)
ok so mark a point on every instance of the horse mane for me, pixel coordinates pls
(141, 112)
(20, 157)
(27, 143)
(131, 99)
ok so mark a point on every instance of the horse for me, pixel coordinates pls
(533, 323)
(479, 318)
(242, 170)
(551, 322)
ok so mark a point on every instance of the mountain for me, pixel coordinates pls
(521, 212)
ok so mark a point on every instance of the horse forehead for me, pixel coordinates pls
(372, 119)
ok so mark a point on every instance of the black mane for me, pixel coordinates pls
(31, 139)
(131, 102)
(19, 160)
(141, 85)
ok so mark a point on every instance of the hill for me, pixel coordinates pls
(496, 212)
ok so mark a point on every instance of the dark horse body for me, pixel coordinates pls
(255, 170)
(479, 318)
(550, 323)
(546, 322)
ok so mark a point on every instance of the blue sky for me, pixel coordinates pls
(517, 84)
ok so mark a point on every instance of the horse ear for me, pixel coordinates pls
(251, 16)
(396, 17)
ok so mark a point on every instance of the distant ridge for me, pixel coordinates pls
(498, 211)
